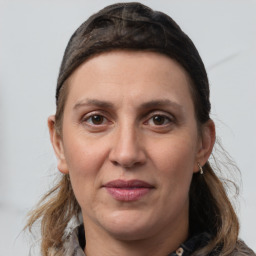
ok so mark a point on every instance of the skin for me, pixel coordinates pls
(130, 115)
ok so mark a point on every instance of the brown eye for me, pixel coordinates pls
(160, 120)
(96, 120)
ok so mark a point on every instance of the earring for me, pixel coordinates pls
(200, 168)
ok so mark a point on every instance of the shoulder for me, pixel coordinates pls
(242, 250)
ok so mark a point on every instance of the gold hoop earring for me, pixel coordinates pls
(200, 168)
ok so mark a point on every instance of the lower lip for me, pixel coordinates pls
(127, 194)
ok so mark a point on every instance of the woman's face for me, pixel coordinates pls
(130, 144)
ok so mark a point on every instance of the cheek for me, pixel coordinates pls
(84, 161)
(82, 155)
(177, 154)
(174, 160)
(176, 169)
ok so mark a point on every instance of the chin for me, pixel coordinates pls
(130, 234)
(128, 225)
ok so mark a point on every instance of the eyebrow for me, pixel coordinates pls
(145, 105)
(93, 102)
(161, 103)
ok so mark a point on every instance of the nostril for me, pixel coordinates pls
(115, 163)
(126, 165)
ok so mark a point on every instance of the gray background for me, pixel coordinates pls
(33, 36)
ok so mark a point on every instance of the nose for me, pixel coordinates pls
(127, 149)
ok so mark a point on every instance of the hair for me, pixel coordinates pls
(136, 27)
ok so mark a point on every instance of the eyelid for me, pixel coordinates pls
(89, 115)
(108, 119)
(160, 113)
(91, 123)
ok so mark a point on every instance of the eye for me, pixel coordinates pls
(159, 120)
(96, 120)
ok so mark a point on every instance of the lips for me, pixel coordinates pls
(130, 190)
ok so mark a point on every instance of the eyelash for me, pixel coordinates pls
(87, 118)
(165, 119)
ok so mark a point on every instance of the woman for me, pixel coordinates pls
(132, 134)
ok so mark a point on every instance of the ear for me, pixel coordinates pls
(205, 144)
(57, 145)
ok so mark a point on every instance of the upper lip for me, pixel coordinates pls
(128, 184)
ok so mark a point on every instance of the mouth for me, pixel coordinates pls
(130, 190)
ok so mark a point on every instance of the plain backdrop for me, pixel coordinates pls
(33, 36)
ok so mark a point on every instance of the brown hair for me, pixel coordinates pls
(133, 26)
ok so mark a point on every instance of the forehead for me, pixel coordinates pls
(129, 75)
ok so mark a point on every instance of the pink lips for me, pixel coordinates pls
(130, 190)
